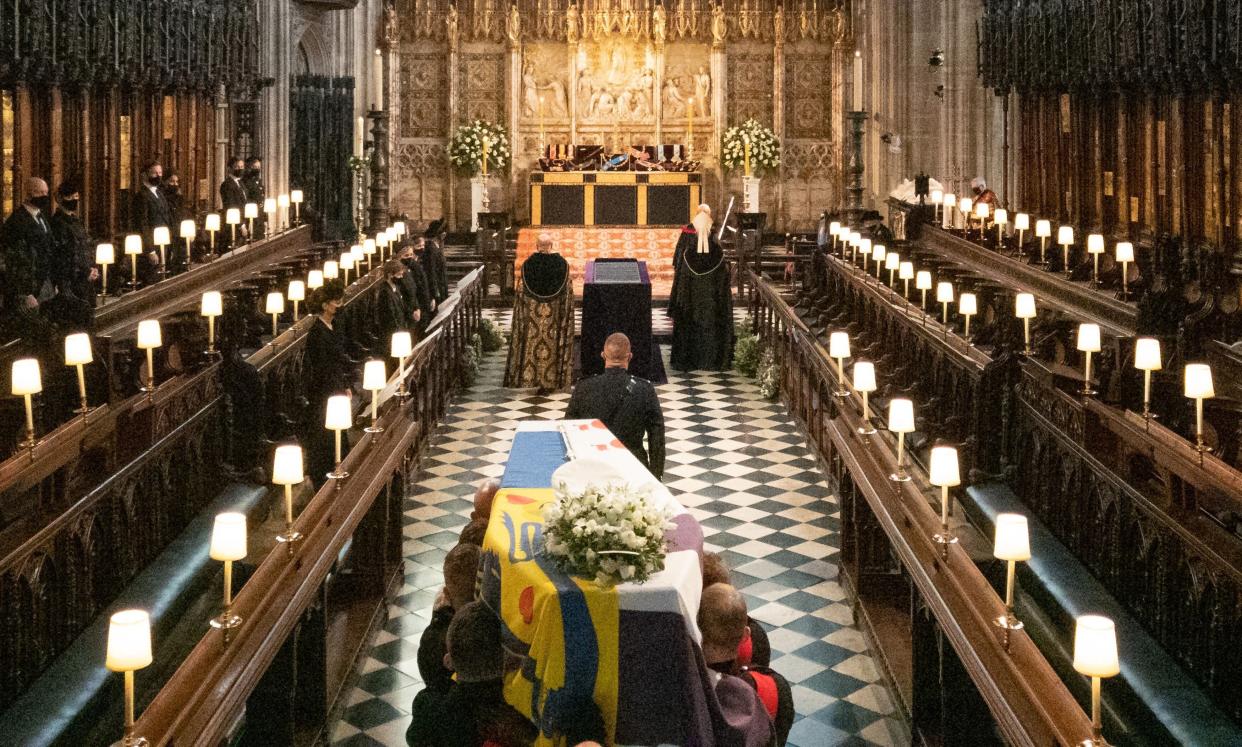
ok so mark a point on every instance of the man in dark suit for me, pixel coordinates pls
(26, 239)
(391, 312)
(431, 253)
(252, 182)
(626, 404)
(72, 265)
(416, 290)
(232, 191)
(150, 211)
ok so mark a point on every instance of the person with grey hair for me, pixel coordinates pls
(542, 342)
(979, 187)
(26, 239)
(700, 301)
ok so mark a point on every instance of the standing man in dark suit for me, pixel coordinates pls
(252, 182)
(232, 195)
(72, 267)
(151, 211)
(417, 290)
(626, 404)
(27, 242)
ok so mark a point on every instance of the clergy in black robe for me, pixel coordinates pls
(325, 371)
(701, 301)
(542, 343)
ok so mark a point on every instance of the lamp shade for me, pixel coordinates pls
(1001, 218)
(965, 204)
(213, 304)
(900, 415)
(982, 210)
(232, 216)
(331, 270)
(834, 228)
(922, 280)
(879, 252)
(347, 261)
(892, 261)
(160, 236)
(1125, 251)
(368, 247)
(275, 303)
(1043, 229)
(1095, 243)
(864, 245)
(382, 238)
(905, 271)
(1147, 354)
(950, 199)
(944, 292)
(78, 349)
(1198, 381)
(269, 205)
(133, 244)
(287, 465)
(1022, 222)
(1013, 541)
(26, 378)
(401, 345)
(967, 304)
(337, 415)
(1089, 337)
(251, 210)
(864, 376)
(1024, 306)
(374, 377)
(105, 254)
(149, 335)
(228, 536)
(188, 229)
(282, 201)
(839, 345)
(943, 469)
(400, 228)
(296, 197)
(211, 222)
(1065, 235)
(855, 237)
(1095, 647)
(356, 252)
(297, 290)
(314, 279)
(129, 641)
(936, 196)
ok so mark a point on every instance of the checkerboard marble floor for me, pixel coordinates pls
(741, 465)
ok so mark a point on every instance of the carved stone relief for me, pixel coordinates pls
(616, 82)
(544, 82)
(482, 86)
(687, 75)
(750, 87)
(808, 94)
(423, 81)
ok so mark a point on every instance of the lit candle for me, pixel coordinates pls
(377, 81)
(858, 82)
(483, 160)
(359, 136)
(746, 154)
(542, 137)
(689, 125)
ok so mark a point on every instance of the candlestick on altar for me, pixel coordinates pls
(483, 160)
(689, 126)
(542, 139)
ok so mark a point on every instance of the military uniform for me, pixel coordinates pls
(629, 407)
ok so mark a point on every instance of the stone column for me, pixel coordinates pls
(454, 116)
(276, 63)
(719, 84)
(778, 108)
(514, 93)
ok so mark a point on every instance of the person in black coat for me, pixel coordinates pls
(26, 238)
(431, 257)
(72, 266)
(151, 209)
(326, 371)
(232, 195)
(391, 312)
(626, 404)
(252, 182)
(417, 291)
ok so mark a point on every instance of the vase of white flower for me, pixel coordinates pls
(479, 200)
(750, 194)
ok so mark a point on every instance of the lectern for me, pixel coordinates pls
(492, 241)
(749, 246)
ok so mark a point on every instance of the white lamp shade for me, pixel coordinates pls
(1095, 647)
(839, 345)
(1198, 381)
(864, 245)
(331, 270)
(296, 197)
(1089, 337)
(834, 228)
(160, 236)
(213, 304)
(149, 335)
(1024, 306)
(133, 244)
(399, 226)
(232, 216)
(905, 271)
(105, 254)
(314, 279)
(1065, 235)
(287, 465)
(879, 252)
(211, 222)
(251, 210)
(1125, 251)
(282, 201)
(967, 304)
(944, 292)
(269, 205)
(922, 280)
(864, 376)
(892, 261)
(381, 238)
(964, 204)
(1095, 243)
(347, 261)
(402, 345)
(275, 303)
(356, 251)
(228, 537)
(297, 290)
(78, 349)
(1147, 354)
(188, 229)
(337, 415)
(368, 247)
(374, 377)
(1013, 541)
(950, 199)
(1021, 222)
(1043, 229)
(855, 237)
(943, 469)
(982, 210)
(901, 415)
(937, 195)
(1002, 217)
(129, 641)
(26, 378)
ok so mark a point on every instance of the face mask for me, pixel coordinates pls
(254, 173)
(70, 205)
(44, 203)
(153, 180)
(171, 189)
(238, 172)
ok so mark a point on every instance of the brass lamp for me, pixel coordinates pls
(346, 264)
(892, 261)
(374, 379)
(212, 306)
(1095, 655)
(1021, 224)
(1012, 544)
(937, 199)
(105, 254)
(27, 382)
(188, 232)
(338, 417)
(901, 422)
(1147, 359)
(967, 306)
(356, 251)
(1024, 309)
(269, 210)
(150, 338)
(923, 282)
(275, 306)
(211, 224)
(834, 228)
(368, 250)
(839, 349)
(1065, 237)
(1000, 220)
(982, 212)
(905, 273)
(864, 383)
(878, 253)
(77, 354)
(228, 543)
(331, 270)
(944, 296)
(232, 217)
(133, 249)
(399, 227)
(401, 347)
(161, 237)
(1125, 255)
(129, 649)
(250, 211)
(1095, 247)
(296, 293)
(314, 279)
(287, 471)
(282, 202)
(295, 197)
(1043, 231)
(946, 215)
(855, 245)
(1198, 386)
(943, 471)
(1088, 343)
(864, 248)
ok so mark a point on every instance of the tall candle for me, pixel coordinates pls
(359, 136)
(858, 81)
(746, 154)
(542, 138)
(483, 161)
(377, 81)
(689, 125)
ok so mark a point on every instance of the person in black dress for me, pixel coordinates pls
(326, 371)
(416, 290)
(252, 182)
(700, 302)
(430, 252)
(72, 265)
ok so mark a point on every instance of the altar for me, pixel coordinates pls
(613, 198)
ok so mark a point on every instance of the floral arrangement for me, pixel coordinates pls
(764, 153)
(470, 141)
(471, 361)
(747, 349)
(493, 336)
(769, 375)
(608, 533)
